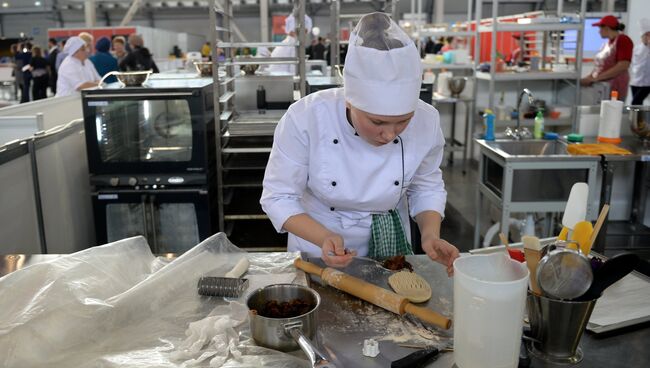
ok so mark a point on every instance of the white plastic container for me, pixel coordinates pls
(489, 301)
(611, 114)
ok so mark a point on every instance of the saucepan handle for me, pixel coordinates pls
(316, 357)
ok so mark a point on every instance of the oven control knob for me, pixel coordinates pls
(133, 181)
(114, 181)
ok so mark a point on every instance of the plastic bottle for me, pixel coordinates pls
(538, 129)
(488, 121)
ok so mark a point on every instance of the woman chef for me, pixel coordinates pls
(611, 63)
(349, 165)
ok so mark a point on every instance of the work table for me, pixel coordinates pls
(344, 321)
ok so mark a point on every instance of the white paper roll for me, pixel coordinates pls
(611, 113)
(443, 83)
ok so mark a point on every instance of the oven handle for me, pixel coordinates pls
(144, 215)
(109, 95)
(153, 223)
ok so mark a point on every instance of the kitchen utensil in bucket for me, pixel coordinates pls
(291, 333)
(564, 273)
(230, 286)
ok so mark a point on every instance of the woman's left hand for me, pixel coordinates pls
(441, 251)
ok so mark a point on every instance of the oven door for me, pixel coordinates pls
(145, 133)
(173, 221)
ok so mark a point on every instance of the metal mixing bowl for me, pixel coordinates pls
(457, 85)
(204, 68)
(639, 120)
(250, 69)
(133, 79)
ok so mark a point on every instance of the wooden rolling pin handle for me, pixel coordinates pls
(428, 316)
(308, 267)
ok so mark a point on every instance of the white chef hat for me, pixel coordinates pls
(73, 44)
(290, 23)
(645, 25)
(383, 72)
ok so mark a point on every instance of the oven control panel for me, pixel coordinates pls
(146, 182)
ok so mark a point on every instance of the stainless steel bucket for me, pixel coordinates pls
(286, 334)
(639, 120)
(557, 325)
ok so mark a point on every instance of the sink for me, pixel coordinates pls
(531, 150)
(531, 176)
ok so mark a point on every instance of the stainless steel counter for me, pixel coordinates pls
(344, 322)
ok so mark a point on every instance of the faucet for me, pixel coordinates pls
(520, 133)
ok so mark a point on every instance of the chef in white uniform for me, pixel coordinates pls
(349, 165)
(76, 71)
(288, 51)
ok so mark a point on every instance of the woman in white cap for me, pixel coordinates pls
(349, 165)
(76, 71)
(640, 81)
(288, 51)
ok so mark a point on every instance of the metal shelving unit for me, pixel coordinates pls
(550, 33)
(245, 141)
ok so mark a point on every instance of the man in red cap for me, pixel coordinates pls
(613, 59)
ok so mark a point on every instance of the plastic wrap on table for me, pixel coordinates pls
(117, 305)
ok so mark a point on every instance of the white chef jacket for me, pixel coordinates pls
(640, 66)
(320, 167)
(73, 73)
(288, 51)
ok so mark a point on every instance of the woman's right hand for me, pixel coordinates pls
(334, 253)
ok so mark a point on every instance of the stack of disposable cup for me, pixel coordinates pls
(611, 114)
(443, 83)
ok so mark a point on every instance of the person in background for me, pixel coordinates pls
(206, 50)
(612, 62)
(516, 56)
(640, 81)
(76, 72)
(89, 40)
(25, 57)
(18, 68)
(450, 44)
(119, 48)
(290, 40)
(60, 57)
(139, 58)
(53, 52)
(429, 46)
(38, 69)
(103, 61)
(318, 50)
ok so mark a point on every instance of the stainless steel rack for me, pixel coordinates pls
(245, 141)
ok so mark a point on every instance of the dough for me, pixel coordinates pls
(410, 285)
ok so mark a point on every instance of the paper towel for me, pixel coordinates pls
(611, 113)
(443, 83)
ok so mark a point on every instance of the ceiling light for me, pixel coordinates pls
(37, 3)
(5, 4)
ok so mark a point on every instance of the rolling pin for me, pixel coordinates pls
(373, 294)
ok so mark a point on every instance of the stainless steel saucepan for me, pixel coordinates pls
(287, 334)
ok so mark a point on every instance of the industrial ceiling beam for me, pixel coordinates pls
(128, 17)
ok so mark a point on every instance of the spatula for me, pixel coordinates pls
(609, 273)
(575, 210)
(581, 235)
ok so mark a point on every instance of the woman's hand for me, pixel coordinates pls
(441, 251)
(334, 253)
(587, 81)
